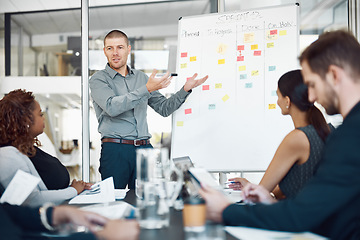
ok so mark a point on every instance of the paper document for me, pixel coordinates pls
(245, 233)
(120, 193)
(19, 188)
(100, 192)
(113, 210)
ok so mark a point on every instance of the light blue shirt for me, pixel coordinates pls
(121, 103)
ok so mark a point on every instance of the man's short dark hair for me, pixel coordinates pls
(117, 34)
(339, 48)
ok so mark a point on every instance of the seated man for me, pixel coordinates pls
(329, 204)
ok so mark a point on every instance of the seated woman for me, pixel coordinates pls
(297, 157)
(21, 121)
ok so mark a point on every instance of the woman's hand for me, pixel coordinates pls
(257, 193)
(78, 185)
(239, 183)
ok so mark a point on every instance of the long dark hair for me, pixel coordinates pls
(291, 84)
(15, 119)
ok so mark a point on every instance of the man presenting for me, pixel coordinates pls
(120, 97)
(330, 202)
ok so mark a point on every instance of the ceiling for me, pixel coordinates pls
(48, 16)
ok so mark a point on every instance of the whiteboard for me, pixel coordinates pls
(232, 121)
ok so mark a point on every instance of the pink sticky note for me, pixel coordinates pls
(240, 47)
(273, 32)
(187, 79)
(205, 87)
(240, 58)
(257, 53)
(184, 54)
(188, 111)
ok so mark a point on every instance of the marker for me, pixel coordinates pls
(158, 75)
(173, 74)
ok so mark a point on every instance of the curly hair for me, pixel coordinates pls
(15, 118)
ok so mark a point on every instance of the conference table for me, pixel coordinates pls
(175, 231)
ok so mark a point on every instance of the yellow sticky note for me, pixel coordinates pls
(253, 47)
(183, 65)
(249, 37)
(272, 106)
(282, 32)
(225, 98)
(180, 123)
(193, 59)
(255, 73)
(242, 68)
(270, 45)
(218, 85)
(221, 61)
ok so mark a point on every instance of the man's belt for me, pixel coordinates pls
(125, 141)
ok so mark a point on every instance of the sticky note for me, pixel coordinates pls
(183, 65)
(225, 98)
(240, 47)
(188, 111)
(248, 85)
(255, 73)
(270, 45)
(187, 79)
(218, 85)
(272, 68)
(193, 59)
(243, 76)
(221, 48)
(242, 68)
(270, 35)
(249, 37)
(221, 61)
(273, 32)
(282, 32)
(240, 58)
(184, 54)
(212, 106)
(205, 87)
(273, 93)
(179, 123)
(272, 106)
(253, 47)
(257, 53)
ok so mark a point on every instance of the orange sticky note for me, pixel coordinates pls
(221, 61)
(257, 53)
(273, 32)
(240, 58)
(240, 47)
(188, 111)
(193, 59)
(272, 106)
(205, 87)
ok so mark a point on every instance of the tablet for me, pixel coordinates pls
(201, 175)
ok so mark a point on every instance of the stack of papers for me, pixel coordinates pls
(101, 192)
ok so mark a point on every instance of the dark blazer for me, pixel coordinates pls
(329, 204)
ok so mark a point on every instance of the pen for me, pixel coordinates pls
(230, 182)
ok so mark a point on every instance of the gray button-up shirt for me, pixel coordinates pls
(121, 103)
